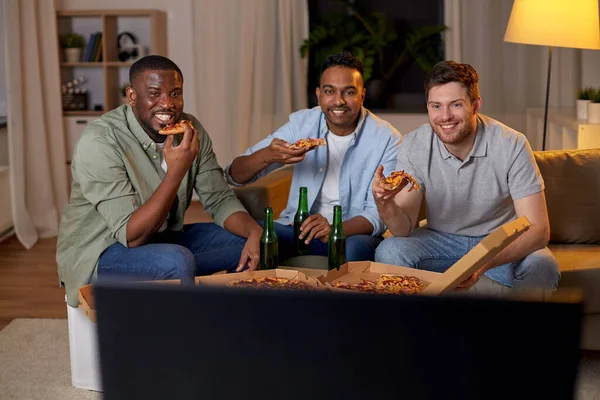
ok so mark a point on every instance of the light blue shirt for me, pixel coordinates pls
(376, 142)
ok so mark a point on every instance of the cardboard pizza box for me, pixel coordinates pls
(88, 304)
(224, 279)
(435, 283)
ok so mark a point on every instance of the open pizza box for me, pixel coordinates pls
(224, 279)
(435, 283)
(88, 304)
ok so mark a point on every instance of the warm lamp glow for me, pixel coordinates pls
(557, 23)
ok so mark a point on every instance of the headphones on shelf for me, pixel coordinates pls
(127, 46)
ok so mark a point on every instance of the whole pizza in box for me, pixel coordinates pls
(369, 277)
(268, 279)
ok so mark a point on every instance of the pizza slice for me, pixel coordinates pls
(310, 143)
(393, 181)
(398, 284)
(271, 282)
(363, 286)
(175, 129)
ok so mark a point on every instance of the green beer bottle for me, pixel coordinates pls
(337, 241)
(269, 245)
(301, 215)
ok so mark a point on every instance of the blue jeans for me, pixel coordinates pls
(358, 247)
(437, 251)
(200, 249)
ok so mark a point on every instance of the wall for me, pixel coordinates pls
(459, 46)
(2, 66)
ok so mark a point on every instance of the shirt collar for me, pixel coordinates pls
(359, 125)
(479, 147)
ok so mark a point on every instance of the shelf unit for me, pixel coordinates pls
(564, 131)
(104, 78)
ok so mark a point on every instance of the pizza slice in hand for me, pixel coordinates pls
(310, 143)
(393, 181)
(175, 129)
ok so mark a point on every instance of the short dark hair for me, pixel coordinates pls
(451, 71)
(152, 63)
(344, 59)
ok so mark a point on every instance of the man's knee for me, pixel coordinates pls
(539, 269)
(393, 250)
(361, 247)
(176, 262)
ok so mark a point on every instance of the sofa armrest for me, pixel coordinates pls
(271, 191)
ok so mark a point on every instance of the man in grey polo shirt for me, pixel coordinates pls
(478, 174)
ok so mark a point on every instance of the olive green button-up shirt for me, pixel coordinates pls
(115, 169)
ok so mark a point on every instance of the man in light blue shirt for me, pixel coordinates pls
(339, 173)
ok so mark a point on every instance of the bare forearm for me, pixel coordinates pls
(396, 220)
(357, 226)
(242, 224)
(534, 239)
(244, 168)
(147, 220)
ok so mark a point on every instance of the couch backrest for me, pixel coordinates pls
(572, 179)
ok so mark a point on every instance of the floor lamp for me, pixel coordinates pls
(554, 23)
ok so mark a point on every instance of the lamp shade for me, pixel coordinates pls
(559, 23)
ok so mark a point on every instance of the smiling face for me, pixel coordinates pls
(156, 98)
(341, 95)
(453, 116)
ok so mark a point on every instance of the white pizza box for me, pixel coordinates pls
(435, 283)
(224, 279)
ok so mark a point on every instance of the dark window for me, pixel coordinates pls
(399, 89)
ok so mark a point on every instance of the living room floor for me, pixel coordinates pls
(29, 278)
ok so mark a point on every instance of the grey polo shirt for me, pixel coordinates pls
(474, 196)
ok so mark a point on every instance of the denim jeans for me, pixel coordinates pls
(200, 249)
(437, 251)
(358, 247)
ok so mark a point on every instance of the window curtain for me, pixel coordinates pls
(250, 73)
(36, 144)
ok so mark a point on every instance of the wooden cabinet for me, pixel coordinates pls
(105, 77)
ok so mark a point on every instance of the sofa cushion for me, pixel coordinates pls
(572, 180)
(272, 190)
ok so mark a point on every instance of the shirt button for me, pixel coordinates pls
(153, 156)
(320, 169)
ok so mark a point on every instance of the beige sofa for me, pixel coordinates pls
(573, 197)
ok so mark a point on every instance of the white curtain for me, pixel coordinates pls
(513, 76)
(250, 76)
(38, 176)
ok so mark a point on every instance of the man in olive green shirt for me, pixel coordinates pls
(132, 186)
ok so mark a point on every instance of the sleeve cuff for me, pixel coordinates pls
(226, 210)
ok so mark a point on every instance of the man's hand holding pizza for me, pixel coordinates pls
(179, 159)
(384, 193)
(279, 151)
(315, 227)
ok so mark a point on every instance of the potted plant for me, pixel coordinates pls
(594, 107)
(371, 37)
(73, 43)
(584, 97)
